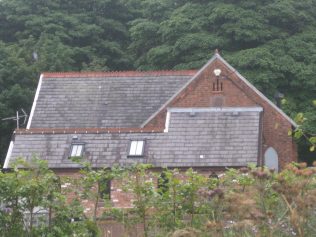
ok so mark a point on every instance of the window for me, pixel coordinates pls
(39, 217)
(163, 183)
(136, 148)
(105, 188)
(76, 149)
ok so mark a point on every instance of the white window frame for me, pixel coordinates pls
(136, 148)
(76, 152)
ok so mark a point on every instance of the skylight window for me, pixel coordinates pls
(76, 149)
(136, 148)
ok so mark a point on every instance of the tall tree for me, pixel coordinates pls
(271, 42)
(55, 35)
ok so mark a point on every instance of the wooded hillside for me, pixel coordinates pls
(271, 42)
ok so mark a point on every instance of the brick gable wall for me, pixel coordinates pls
(236, 93)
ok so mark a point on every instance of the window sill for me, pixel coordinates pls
(135, 157)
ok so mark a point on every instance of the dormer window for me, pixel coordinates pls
(136, 148)
(76, 149)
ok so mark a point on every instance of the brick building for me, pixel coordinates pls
(208, 119)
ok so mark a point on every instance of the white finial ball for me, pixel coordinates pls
(217, 72)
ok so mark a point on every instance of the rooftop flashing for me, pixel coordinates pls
(85, 130)
(216, 109)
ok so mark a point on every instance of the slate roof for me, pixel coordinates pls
(99, 100)
(195, 138)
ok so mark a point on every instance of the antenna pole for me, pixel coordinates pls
(17, 119)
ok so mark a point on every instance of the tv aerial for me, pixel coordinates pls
(17, 118)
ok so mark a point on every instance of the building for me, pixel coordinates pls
(208, 119)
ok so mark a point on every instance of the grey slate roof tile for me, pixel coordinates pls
(222, 141)
(102, 102)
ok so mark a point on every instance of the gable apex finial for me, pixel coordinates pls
(216, 51)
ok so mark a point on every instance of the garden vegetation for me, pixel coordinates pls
(249, 201)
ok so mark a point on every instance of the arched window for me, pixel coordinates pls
(271, 159)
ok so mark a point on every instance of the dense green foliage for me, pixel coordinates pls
(271, 42)
(34, 202)
(246, 202)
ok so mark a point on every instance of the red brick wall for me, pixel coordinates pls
(236, 93)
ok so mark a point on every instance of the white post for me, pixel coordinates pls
(17, 119)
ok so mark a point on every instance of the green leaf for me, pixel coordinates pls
(312, 140)
(283, 101)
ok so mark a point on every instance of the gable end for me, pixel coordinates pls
(197, 75)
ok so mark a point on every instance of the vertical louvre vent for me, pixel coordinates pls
(217, 85)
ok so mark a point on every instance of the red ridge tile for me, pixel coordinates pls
(119, 74)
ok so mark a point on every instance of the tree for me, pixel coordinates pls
(141, 186)
(31, 193)
(95, 185)
(272, 43)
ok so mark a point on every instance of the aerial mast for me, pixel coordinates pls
(17, 118)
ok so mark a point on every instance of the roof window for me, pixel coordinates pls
(76, 149)
(136, 148)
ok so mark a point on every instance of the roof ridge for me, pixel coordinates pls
(120, 73)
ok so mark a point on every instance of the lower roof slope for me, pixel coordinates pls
(195, 138)
(99, 100)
